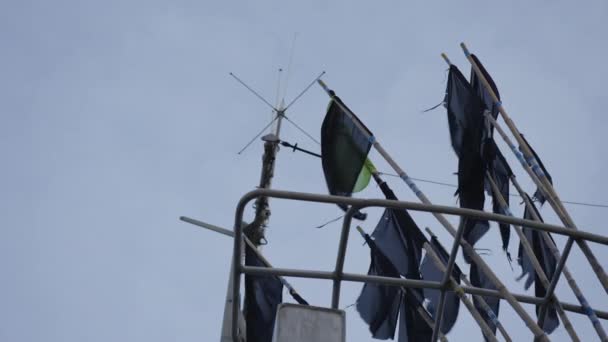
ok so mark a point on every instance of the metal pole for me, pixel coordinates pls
(362, 203)
(530, 323)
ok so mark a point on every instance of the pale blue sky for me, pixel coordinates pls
(120, 116)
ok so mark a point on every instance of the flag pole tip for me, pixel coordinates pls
(445, 58)
(361, 231)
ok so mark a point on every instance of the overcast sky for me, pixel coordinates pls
(120, 116)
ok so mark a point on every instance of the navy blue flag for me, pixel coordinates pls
(401, 240)
(378, 304)
(412, 327)
(263, 294)
(479, 279)
(431, 272)
(465, 119)
(501, 172)
(547, 262)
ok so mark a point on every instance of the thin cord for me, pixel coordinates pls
(596, 205)
(293, 47)
(305, 90)
(262, 131)
(254, 92)
(302, 130)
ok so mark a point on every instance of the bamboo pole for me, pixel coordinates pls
(468, 249)
(535, 263)
(543, 183)
(569, 278)
(482, 302)
(487, 332)
(423, 313)
(568, 246)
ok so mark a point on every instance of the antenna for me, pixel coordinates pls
(255, 230)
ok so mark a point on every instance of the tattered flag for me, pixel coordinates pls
(431, 272)
(263, 294)
(378, 304)
(547, 262)
(479, 279)
(465, 119)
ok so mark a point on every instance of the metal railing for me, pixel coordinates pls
(337, 276)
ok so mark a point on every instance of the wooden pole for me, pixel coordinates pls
(535, 263)
(569, 278)
(468, 249)
(487, 332)
(541, 180)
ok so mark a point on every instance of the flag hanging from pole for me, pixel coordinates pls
(401, 240)
(263, 294)
(465, 120)
(345, 143)
(493, 159)
(547, 262)
(378, 304)
(479, 279)
(431, 272)
(501, 172)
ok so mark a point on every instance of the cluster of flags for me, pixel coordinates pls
(397, 243)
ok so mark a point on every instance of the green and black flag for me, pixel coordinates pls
(345, 143)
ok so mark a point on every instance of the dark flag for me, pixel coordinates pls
(401, 240)
(412, 327)
(263, 294)
(547, 262)
(501, 173)
(344, 149)
(538, 194)
(465, 120)
(378, 304)
(479, 279)
(492, 157)
(431, 272)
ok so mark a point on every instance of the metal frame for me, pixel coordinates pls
(337, 276)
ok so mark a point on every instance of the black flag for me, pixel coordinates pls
(493, 159)
(547, 262)
(501, 173)
(344, 149)
(479, 279)
(263, 294)
(378, 304)
(538, 194)
(465, 119)
(431, 272)
(412, 327)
